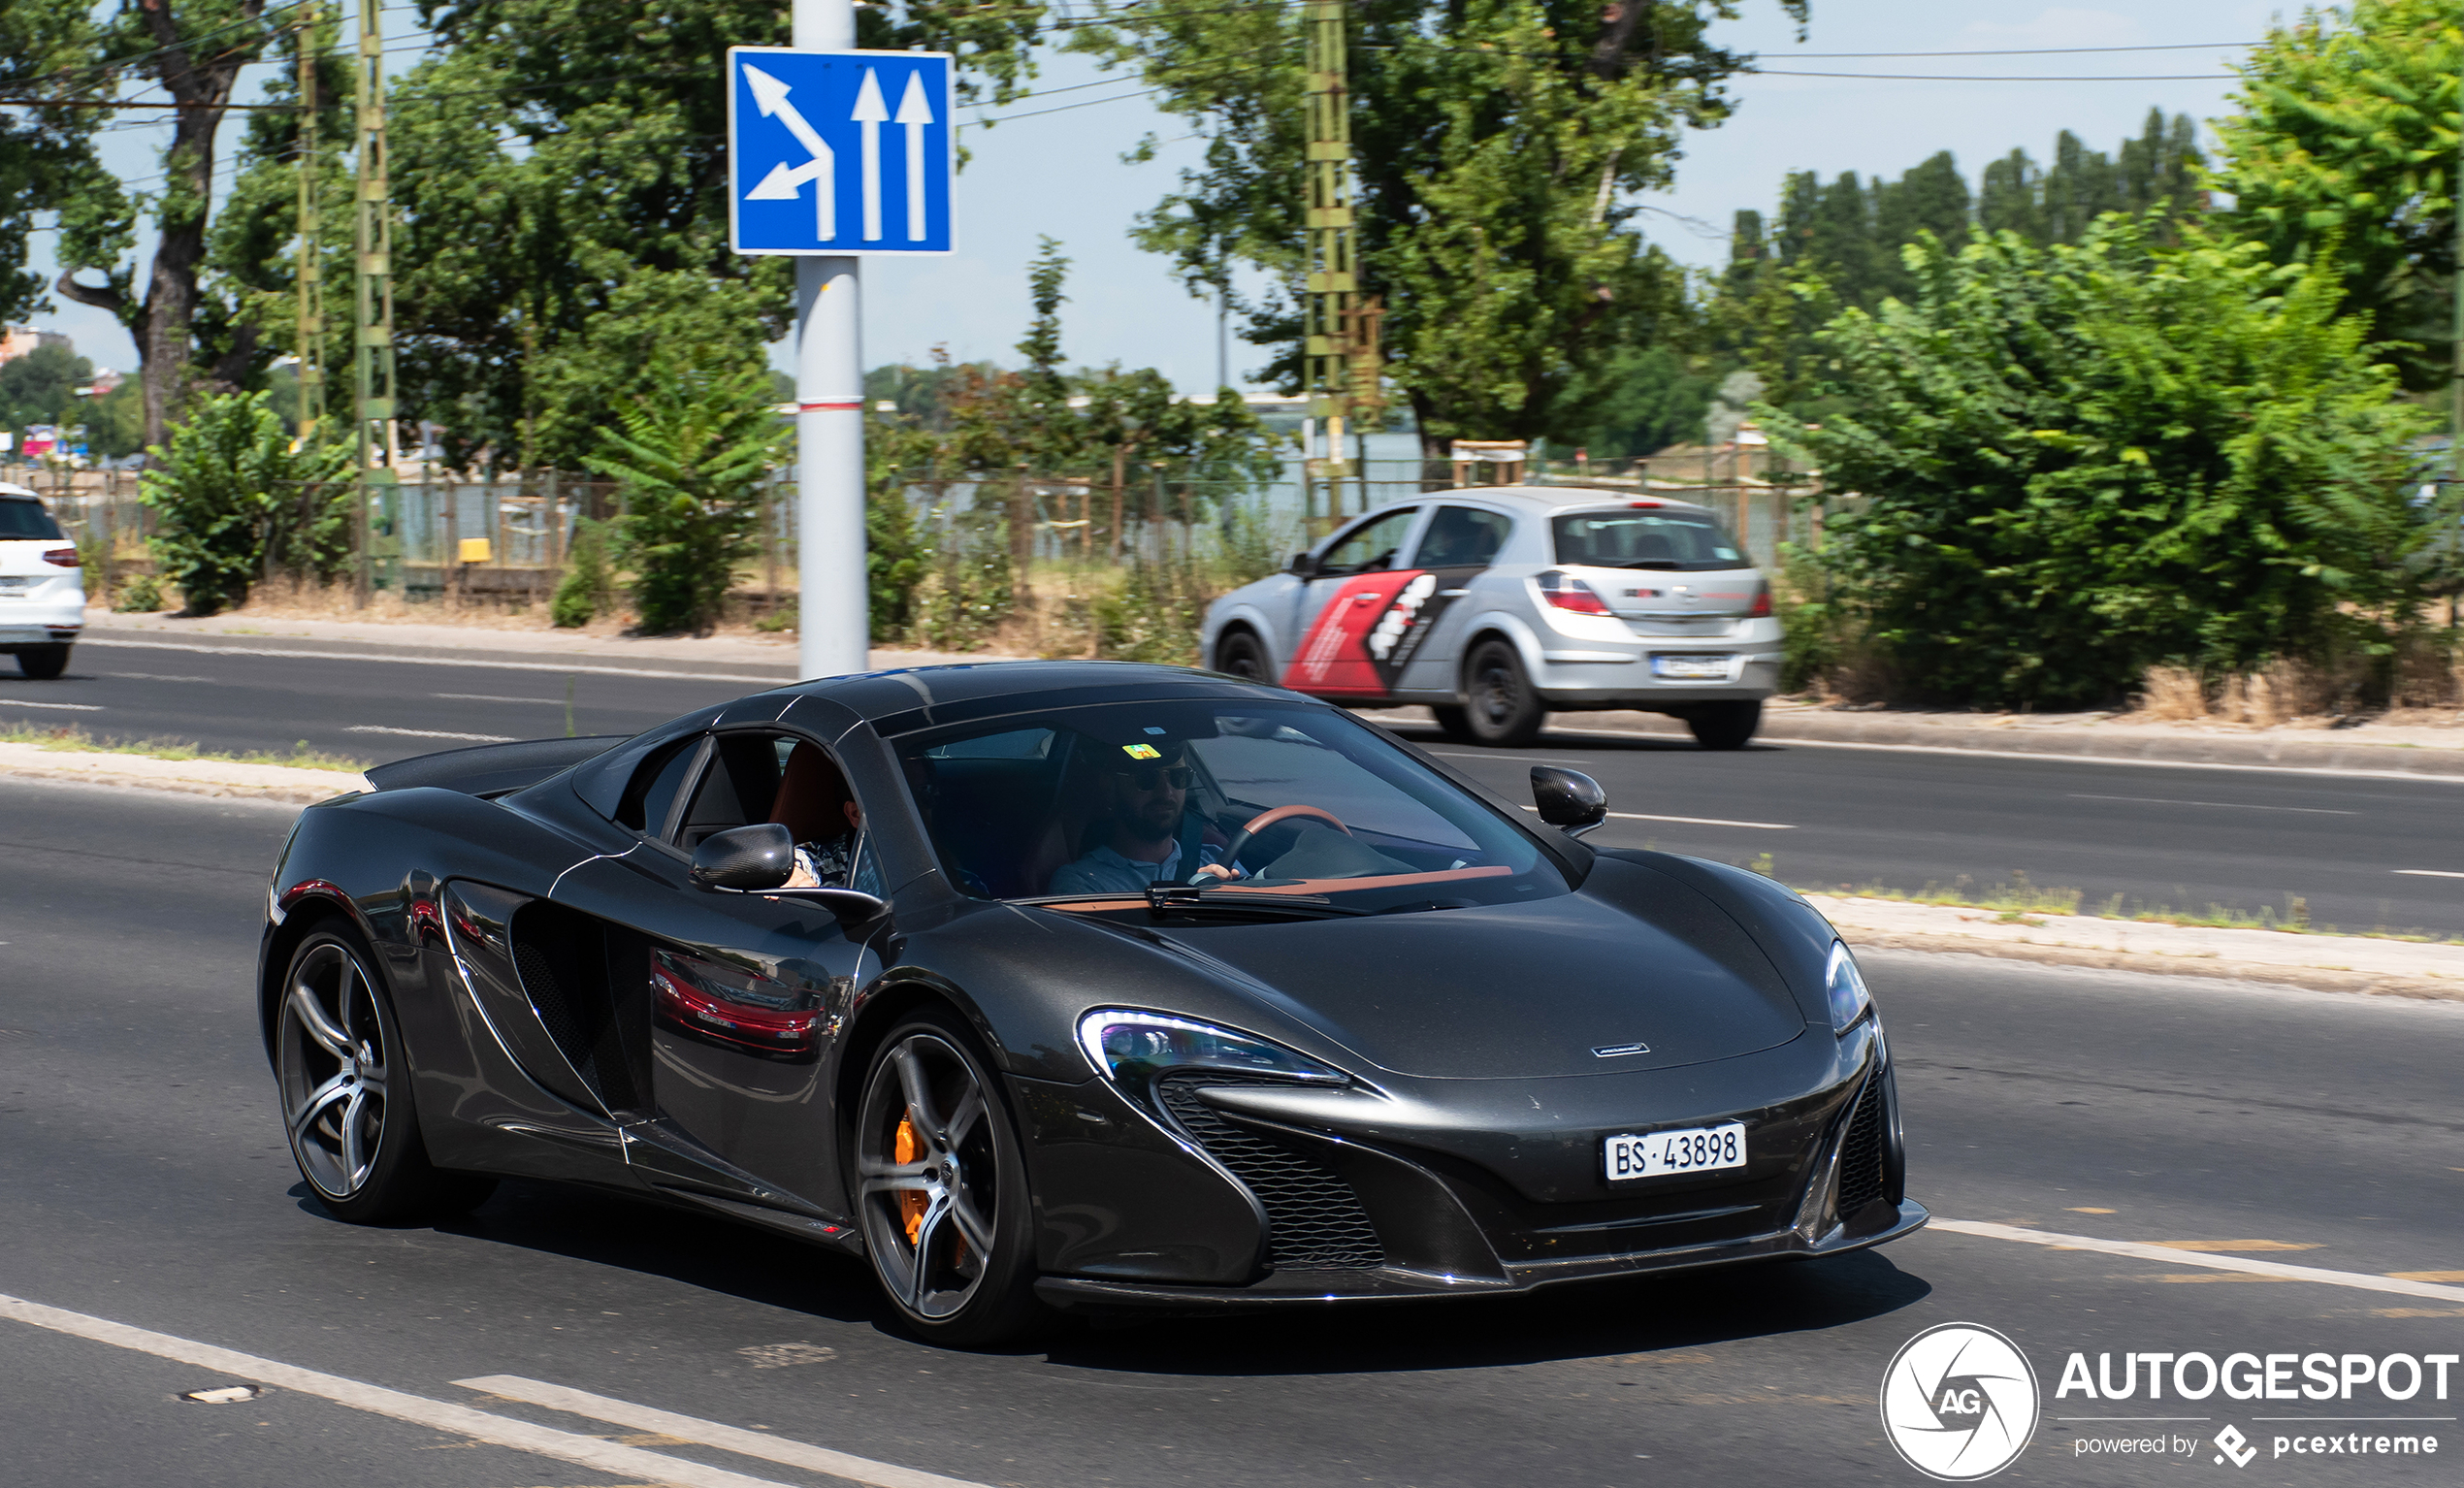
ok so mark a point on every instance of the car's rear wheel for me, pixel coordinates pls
(1241, 654)
(1456, 722)
(347, 1101)
(941, 1187)
(1504, 710)
(1724, 724)
(43, 664)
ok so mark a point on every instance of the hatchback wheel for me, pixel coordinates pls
(1502, 710)
(942, 1195)
(1241, 655)
(1724, 724)
(44, 663)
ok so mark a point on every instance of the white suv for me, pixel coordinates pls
(42, 587)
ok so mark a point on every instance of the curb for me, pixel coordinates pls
(226, 779)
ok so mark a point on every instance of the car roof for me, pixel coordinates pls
(904, 699)
(1552, 499)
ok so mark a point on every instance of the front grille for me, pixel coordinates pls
(1860, 1151)
(1314, 1221)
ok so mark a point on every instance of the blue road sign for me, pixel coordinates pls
(838, 152)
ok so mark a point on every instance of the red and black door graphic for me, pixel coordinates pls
(1369, 630)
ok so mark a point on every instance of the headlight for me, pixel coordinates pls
(1134, 1050)
(1846, 989)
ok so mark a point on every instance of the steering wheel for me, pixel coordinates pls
(1268, 818)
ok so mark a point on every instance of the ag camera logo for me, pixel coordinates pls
(1960, 1403)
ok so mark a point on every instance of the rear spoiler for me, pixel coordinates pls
(491, 769)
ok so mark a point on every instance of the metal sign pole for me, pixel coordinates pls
(833, 615)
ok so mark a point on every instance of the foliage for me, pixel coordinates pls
(589, 585)
(1499, 141)
(237, 502)
(691, 450)
(2080, 461)
(897, 447)
(971, 589)
(41, 387)
(1154, 615)
(140, 596)
(2344, 147)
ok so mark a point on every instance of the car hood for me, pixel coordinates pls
(1520, 991)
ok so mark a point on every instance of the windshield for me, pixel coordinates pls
(1645, 538)
(23, 519)
(1249, 801)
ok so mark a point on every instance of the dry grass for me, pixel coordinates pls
(78, 741)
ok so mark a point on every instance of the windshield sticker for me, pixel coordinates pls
(1141, 751)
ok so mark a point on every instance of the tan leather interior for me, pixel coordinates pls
(812, 795)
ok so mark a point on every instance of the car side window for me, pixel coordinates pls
(1370, 547)
(1463, 538)
(651, 799)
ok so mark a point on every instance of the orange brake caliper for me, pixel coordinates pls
(906, 1148)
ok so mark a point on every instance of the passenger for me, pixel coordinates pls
(815, 805)
(1135, 842)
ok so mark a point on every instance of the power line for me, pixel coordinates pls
(1997, 77)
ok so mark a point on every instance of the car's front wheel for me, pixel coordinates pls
(44, 663)
(347, 1101)
(1502, 709)
(1241, 654)
(941, 1187)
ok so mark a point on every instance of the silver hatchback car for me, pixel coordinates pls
(1498, 606)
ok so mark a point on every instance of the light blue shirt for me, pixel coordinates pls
(1104, 871)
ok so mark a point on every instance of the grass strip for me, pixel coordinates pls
(70, 740)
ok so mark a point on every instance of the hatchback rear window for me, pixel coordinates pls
(1682, 541)
(21, 519)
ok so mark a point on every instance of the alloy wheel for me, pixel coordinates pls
(333, 1065)
(929, 1171)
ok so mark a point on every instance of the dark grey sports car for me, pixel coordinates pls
(1058, 985)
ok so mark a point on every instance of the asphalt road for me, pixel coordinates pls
(2358, 853)
(143, 1180)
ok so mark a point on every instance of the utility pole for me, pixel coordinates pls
(372, 325)
(833, 616)
(311, 346)
(1330, 319)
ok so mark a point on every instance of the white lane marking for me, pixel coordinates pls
(437, 661)
(2159, 800)
(432, 733)
(72, 707)
(155, 676)
(493, 697)
(2428, 873)
(630, 1462)
(1636, 816)
(727, 1438)
(1513, 756)
(2361, 1280)
(2329, 771)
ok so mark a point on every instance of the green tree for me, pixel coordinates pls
(2344, 144)
(2081, 461)
(46, 154)
(692, 451)
(1500, 143)
(41, 387)
(238, 501)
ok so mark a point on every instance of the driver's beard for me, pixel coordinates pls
(1141, 827)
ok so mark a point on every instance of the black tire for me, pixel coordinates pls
(1724, 724)
(1502, 710)
(1456, 722)
(345, 1087)
(44, 663)
(1241, 654)
(957, 1275)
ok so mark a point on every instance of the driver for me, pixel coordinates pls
(1135, 842)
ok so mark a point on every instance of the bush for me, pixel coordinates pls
(1153, 616)
(691, 452)
(237, 501)
(970, 594)
(140, 596)
(589, 585)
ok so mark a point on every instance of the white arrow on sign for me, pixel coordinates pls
(871, 113)
(770, 95)
(915, 111)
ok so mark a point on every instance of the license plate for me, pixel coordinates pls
(15, 586)
(1692, 669)
(1656, 1155)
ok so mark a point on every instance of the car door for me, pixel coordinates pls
(740, 994)
(1358, 576)
(1417, 643)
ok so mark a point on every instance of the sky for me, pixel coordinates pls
(1061, 174)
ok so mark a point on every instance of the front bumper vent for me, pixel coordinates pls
(1861, 1175)
(1314, 1221)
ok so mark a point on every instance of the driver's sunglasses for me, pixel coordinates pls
(1147, 777)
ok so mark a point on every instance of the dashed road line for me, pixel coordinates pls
(66, 707)
(2428, 873)
(2402, 1286)
(432, 733)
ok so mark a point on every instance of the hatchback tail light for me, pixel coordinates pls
(1565, 592)
(60, 558)
(1761, 609)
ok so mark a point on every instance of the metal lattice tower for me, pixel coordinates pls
(1331, 320)
(373, 326)
(310, 348)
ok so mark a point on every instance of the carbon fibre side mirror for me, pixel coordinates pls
(755, 858)
(1568, 799)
